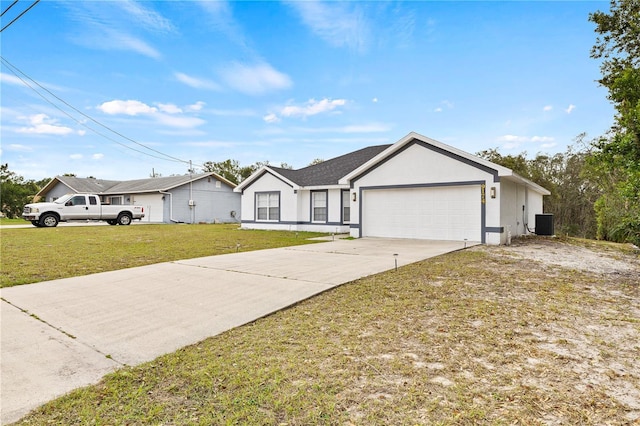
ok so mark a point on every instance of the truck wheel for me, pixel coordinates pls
(112, 222)
(124, 219)
(36, 223)
(49, 220)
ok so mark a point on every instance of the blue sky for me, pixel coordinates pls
(288, 81)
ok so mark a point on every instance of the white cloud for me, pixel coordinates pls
(374, 100)
(108, 25)
(196, 83)
(10, 79)
(312, 107)
(513, 141)
(547, 108)
(18, 147)
(76, 156)
(444, 104)
(570, 108)
(255, 79)
(542, 139)
(143, 16)
(165, 114)
(129, 107)
(339, 24)
(355, 128)
(98, 156)
(221, 19)
(271, 118)
(43, 125)
(196, 107)
(179, 121)
(169, 108)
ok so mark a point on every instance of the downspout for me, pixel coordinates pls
(170, 206)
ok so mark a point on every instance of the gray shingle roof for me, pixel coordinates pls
(330, 171)
(104, 187)
(91, 185)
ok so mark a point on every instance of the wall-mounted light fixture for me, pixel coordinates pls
(354, 197)
(492, 192)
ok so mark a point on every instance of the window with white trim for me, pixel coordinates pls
(319, 206)
(346, 207)
(268, 206)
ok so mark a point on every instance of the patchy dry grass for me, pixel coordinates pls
(484, 336)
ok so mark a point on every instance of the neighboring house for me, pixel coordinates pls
(196, 198)
(415, 188)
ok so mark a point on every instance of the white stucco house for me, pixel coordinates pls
(415, 188)
(195, 198)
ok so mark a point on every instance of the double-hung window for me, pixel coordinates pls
(346, 207)
(268, 206)
(319, 206)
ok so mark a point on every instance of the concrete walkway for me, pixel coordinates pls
(63, 334)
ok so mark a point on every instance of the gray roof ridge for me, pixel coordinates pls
(328, 172)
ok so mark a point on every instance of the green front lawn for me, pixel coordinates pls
(40, 254)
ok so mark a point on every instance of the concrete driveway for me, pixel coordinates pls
(63, 334)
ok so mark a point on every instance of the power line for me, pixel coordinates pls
(83, 124)
(19, 16)
(9, 7)
(15, 70)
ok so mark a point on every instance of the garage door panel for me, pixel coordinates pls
(442, 213)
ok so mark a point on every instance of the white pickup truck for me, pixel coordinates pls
(80, 207)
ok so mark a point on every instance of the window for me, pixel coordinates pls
(78, 200)
(346, 207)
(319, 206)
(93, 201)
(268, 206)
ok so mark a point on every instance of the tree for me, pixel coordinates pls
(615, 157)
(316, 161)
(231, 169)
(573, 191)
(15, 192)
(228, 169)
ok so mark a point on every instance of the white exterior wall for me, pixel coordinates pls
(288, 204)
(295, 208)
(535, 206)
(514, 197)
(418, 165)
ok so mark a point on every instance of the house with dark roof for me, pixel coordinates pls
(415, 188)
(194, 198)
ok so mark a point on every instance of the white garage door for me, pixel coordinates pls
(153, 206)
(436, 213)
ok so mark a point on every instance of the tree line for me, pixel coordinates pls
(595, 189)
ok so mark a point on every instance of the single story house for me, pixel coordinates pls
(415, 188)
(196, 198)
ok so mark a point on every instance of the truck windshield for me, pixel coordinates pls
(64, 199)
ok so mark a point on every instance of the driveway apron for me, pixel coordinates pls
(59, 335)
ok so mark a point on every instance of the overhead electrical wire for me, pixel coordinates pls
(84, 125)
(19, 16)
(8, 7)
(17, 72)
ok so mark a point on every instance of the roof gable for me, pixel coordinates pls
(497, 170)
